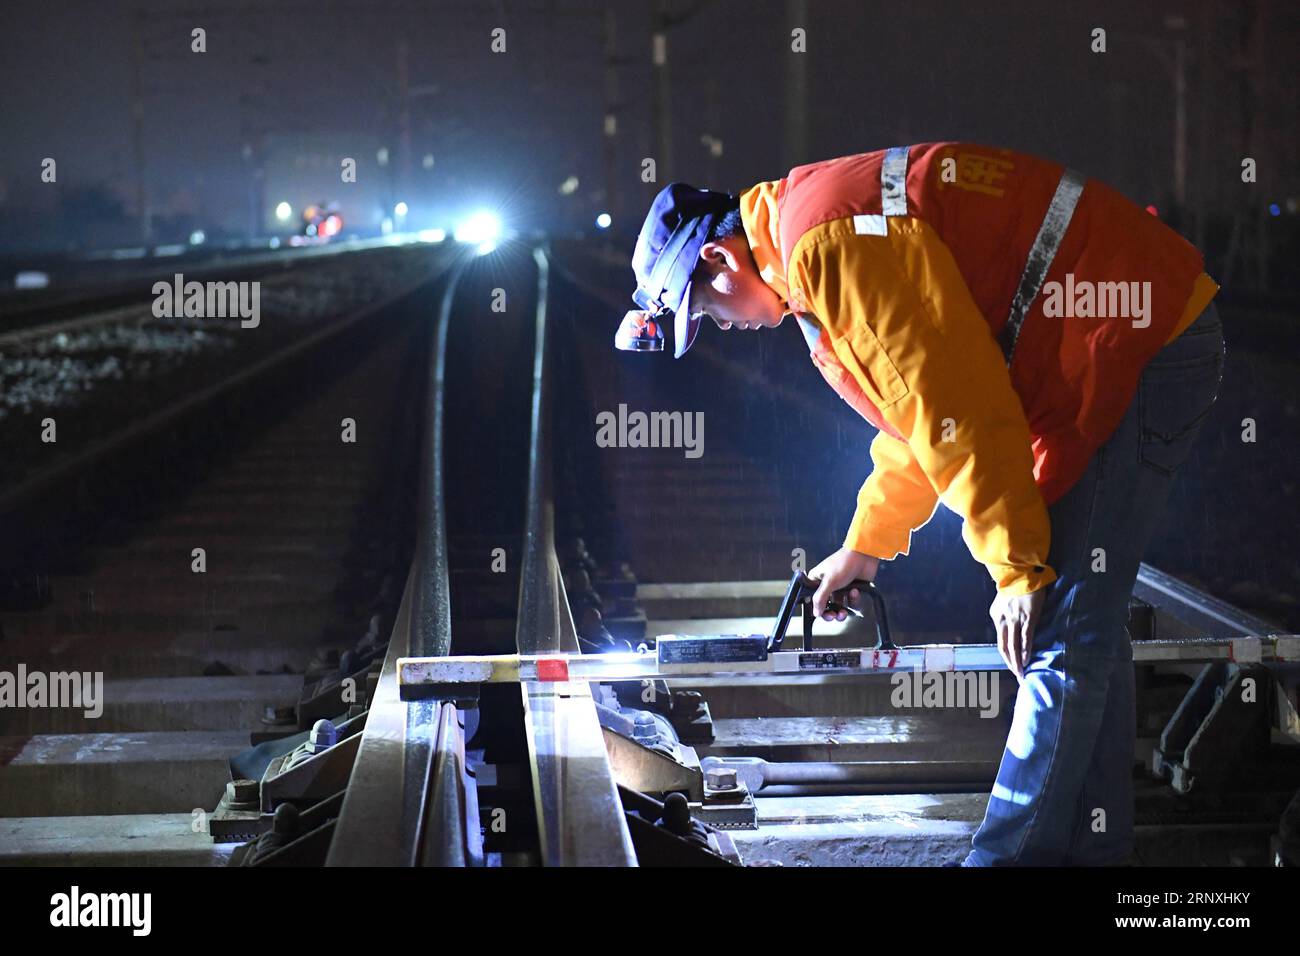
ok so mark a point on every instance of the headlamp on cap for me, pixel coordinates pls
(666, 254)
(641, 331)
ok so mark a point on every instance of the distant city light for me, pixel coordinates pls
(197, 237)
(381, 157)
(431, 235)
(401, 209)
(31, 280)
(283, 212)
(603, 221)
(479, 229)
(427, 162)
(569, 186)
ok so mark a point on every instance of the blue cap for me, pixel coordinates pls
(667, 251)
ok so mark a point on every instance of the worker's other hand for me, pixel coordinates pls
(835, 572)
(1015, 618)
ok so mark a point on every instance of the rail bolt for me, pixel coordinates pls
(323, 736)
(720, 778)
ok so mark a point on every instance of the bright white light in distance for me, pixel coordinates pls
(479, 229)
(603, 221)
(485, 247)
(197, 237)
(31, 280)
(283, 212)
(431, 235)
(401, 209)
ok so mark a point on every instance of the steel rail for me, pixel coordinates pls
(24, 315)
(580, 819)
(537, 629)
(385, 811)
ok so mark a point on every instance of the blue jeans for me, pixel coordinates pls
(1064, 789)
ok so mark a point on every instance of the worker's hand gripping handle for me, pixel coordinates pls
(800, 593)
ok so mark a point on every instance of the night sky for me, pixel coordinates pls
(509, 128)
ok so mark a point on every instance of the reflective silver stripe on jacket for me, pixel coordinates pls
(893, 182)
(893, 194)
(1057, 219)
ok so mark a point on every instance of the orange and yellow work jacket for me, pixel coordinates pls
(989, 312)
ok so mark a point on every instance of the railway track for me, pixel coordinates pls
(257, 538)
(485, 576)
(217, 675)
(252, 712)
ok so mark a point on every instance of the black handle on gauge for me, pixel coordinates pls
(800, 593)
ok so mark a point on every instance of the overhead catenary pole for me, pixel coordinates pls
(1205, 61)
(661, 93)
(1248, 237)
(137, 127)
(609, 133)
(796, 90)
(1178, 26)
(403, 118)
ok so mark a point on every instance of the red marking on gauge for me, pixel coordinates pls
(552, 669)
(884, 659)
